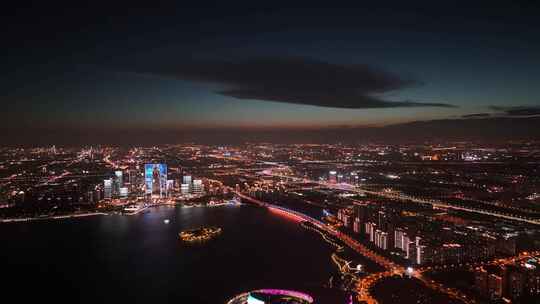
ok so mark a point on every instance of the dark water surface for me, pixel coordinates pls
(137, 259)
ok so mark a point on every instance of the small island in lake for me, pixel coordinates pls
(199, 234)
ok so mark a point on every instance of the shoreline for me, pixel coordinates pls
(87, 214)
(55, 217)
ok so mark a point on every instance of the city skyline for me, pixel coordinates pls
(265, 153)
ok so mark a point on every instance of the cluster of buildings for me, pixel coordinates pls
(154, 182)
(420, 239)
(335, 177)
(115, 186)
(191, 186)
(513, 281)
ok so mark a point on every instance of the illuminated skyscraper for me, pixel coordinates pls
(357, 225)
(155, 179)
(124, 192)
(399, 235)
(170, 186)
(406, 246)
(197, 186)
(184, 189)
(118, 182)
(419, 251)
(381, 239)
(107, 185)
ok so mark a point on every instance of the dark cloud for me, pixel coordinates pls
(517, 110)
(476, 115)
(301, 81)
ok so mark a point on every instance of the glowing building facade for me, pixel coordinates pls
(155, 179)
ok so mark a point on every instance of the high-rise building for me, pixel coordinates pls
(170, 186)
(197, 186)
(382, 220)
(184, 189)
(118, 182)
(411, 255)
(381, 239)
(123, 192)
(398, 238)
(419, 251)
(406, 246)
(107, 186)
(347, 221)
(155, 176)
(370, 231)
(357, 225)
(186, 179)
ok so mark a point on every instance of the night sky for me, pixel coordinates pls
(140, 74)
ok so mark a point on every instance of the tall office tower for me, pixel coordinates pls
(197, 186)
(170, 186)
(377, 237)
(155, 176)
(406, 245)
(184, 189)
(419, 251)
(370, 230)
(347, 219)
(186, 179)
(107, 185)
(381, 239)
(357, 225)
(382, 220)
(412, 251)
(398, 238)
(124, 192)
(332, 177)
(118, 182)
